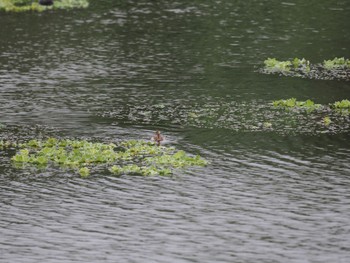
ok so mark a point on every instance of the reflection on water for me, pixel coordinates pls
(120, 70)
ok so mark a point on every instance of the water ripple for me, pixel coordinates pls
(121, 69)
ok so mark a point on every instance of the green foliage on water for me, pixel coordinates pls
(327, 121)
(337, 68)
(337, 63)
(294, 103)
(179, 159)
(277, 66)
(29, 5)
(274, 65)
(84, 172)
(342, 106)
(135, 169)
(267, 125)
(128, 157)
(339, 107)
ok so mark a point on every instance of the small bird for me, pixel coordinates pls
(157, 138)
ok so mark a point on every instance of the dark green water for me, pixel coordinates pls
(122, 69)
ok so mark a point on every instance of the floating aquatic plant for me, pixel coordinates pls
(179, 159)
(342, 106)
(135, 169)
(84, 171)
(275, 65)
(336, 63)
(7, 144)
(301, 65)
(234, 116)
(267, 125)
(20, 6)
(28, 5)
(128, 157)
(337, 68)
(294, 103)
(327, 121)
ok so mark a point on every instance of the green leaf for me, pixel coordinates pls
(33, 143)
(84, 172)
(327, 121)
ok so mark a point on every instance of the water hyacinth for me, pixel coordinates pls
(275, 65)
(28, 5)
(178, 159)
(84, 171)
(7, 144)
(336, 63)
(135, 169)
(338, 107)
(128, 157)
(327, 121)
(342, 107)
(337, 68)
(267, 125)
(293, 103)
(344, 104)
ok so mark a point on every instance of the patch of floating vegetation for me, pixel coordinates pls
(335, 69)
(128, 157)
(327, 121)
(29, 5)
(342, 107)
(289, 116)
(337, 63)
(308, 105)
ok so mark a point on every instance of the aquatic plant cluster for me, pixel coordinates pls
(337, 68)
(342, 107)
(294, 103)
(128, 157)
(29, 5)
(289, 116)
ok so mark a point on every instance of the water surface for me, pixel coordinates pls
(122, 69)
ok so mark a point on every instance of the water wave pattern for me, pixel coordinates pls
(21, 133)
(235, 116)
(268, 196)
(265, 205)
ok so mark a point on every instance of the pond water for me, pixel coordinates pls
(121, 70)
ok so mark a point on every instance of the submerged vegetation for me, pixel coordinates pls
(129, 157)
(33, 5)
(337, 68)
